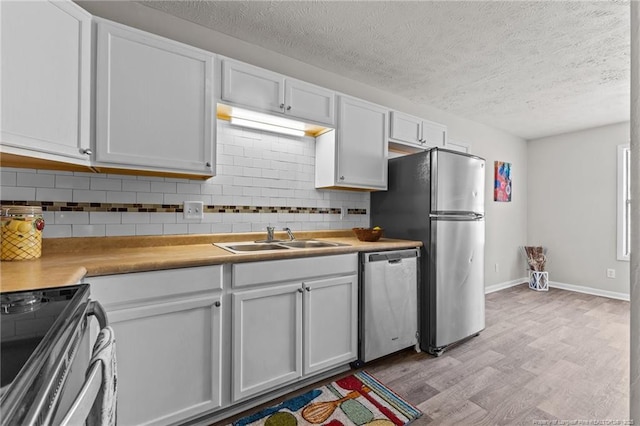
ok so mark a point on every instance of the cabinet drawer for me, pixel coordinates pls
(247, 274)
(140, 286)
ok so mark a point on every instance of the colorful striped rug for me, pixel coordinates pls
(359, 399)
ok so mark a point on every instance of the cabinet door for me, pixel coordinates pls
(309, 102)
(405, 128)
(46, 78)
(244, 84)
(460, 146)
(434, 134)
(169, 359)
(362, 145)
(154, 102)
(330, 323)
(266, 338)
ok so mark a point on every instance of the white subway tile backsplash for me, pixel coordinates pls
(104, 217)
(243, 181)
(56, 231)
(89, 196)
(163, 217)
(35, 180)
(71, 218)
(149, 229)
(131, 217)
(110, 184)
(8, 178)
(233, 150)
(165, 187)
(17, 193)
(188, 188)
(254, 169)
(149, 198)
(120, 230)
(73, 182)
(221, 228)
(181, 198)
(241, 227)
(175, 228)
(211, 189)
(136, 185)
(199, 228)
(88, 230)
(121, 197)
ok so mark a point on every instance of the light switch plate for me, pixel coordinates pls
(193, 210)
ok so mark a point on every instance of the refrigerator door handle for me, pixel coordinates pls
(456, 216)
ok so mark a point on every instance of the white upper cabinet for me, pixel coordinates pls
(457, 145)
(260, 89)
(243, 84)
(355, 154)
(415, 131)
(46, 80)
(309, 102)
(154, 103)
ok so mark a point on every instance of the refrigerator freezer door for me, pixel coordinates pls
(458, 311)
(458, 183)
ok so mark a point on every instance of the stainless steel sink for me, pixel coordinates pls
(310, 244)
(248, 247)
(255, 247)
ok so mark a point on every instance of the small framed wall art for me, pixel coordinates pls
(502, 185)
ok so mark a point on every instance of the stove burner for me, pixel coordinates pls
(19, 303)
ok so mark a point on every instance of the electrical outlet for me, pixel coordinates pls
(193, 210)
(497, 267)
(611, 273)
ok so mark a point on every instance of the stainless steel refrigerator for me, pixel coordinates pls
(437, 197)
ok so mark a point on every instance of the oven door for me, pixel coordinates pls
(53, 366)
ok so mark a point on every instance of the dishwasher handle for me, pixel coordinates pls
(392, 256)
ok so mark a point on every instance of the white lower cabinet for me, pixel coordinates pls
(168, 332)
(266, 338)
(330, 325)
(288, 330)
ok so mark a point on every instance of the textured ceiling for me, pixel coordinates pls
(532, 69)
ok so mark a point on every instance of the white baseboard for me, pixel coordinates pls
(507, 284)
(589, 290)
(561, 286)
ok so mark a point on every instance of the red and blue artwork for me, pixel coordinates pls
(502, 186)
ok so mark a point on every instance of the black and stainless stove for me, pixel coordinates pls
(26, 317)
(44, 352)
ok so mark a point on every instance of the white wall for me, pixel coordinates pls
(572, 206)
(506, 222)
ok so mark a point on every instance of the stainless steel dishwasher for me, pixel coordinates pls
(388, 302)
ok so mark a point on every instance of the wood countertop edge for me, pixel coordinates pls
(68, 268)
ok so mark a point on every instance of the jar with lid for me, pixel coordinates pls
(21, 236)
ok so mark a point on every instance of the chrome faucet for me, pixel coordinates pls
(289, 233)
(270, 233)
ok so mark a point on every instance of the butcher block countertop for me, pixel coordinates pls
(65, 261)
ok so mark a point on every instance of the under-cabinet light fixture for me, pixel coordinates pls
(260, 121)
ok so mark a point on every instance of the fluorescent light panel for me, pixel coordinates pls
(260, 121)
(266, 126)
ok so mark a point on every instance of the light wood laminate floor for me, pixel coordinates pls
(543, 356)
